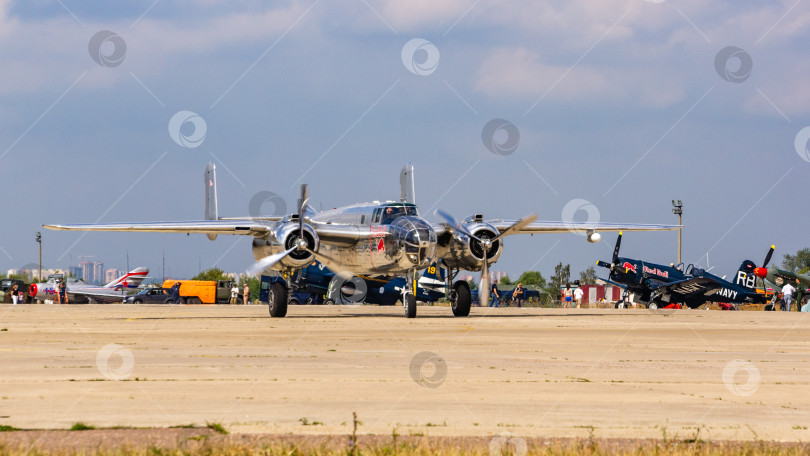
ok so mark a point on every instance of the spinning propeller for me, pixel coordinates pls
(615, 260)
(301, 243)
(762, 271)
(486, 245)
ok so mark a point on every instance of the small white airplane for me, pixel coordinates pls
(114, 291)
(383, 239)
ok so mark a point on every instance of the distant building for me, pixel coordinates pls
(112, 274)
(87, 271)
(98, 273)
(92, 272)
(76, 272)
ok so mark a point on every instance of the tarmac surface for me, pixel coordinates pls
(530, 372)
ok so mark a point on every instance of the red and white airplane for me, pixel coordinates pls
(114, 291)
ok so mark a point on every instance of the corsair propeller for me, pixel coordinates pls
(615, 260)
(762, 271)
(486, 246)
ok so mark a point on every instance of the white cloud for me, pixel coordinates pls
(520, 73)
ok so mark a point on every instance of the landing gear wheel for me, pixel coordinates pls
(463, 299)
(652, 306)
(329, 302)
(277, 300)
(410, 306)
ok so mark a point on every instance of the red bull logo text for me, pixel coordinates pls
(657, 272)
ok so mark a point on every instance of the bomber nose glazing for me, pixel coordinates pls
(419, 241)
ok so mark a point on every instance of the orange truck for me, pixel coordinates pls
(204, 291)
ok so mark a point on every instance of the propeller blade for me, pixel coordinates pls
(267, 262)
(616, 249)
(451, 222)
(304, 199)
(517, 226)
(604, 264)
(768, 257)
(483, 286)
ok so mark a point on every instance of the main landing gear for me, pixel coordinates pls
(409, 295)
(459, 295)
(277, 299)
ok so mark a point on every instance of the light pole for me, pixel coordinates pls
(39, 241)
(678, 210)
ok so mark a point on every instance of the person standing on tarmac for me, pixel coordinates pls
(494, 296)
(234, 294)
(246, 295)
(787, 297)
(568, 296)
(518, 295)
(62, 292)
(578, 296)
(175, 293)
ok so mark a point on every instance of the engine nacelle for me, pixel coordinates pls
(593, 238)
(466, 253)
(283, 238)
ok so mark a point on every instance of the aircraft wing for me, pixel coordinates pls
(245, 227)
(99, 294)
(775, 273)
(620, 285)
(689, 288)
(562, 227)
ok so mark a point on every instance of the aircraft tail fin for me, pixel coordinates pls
(745, 275)
(406, 185)
(131, 279)
(211, 211)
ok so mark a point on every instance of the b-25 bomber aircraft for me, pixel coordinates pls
(389, 239)
(656, 285)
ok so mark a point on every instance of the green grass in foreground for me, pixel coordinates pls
(81, 427)
(231, 445)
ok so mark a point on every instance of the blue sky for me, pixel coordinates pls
(621, 104)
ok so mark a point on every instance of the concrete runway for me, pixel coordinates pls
(530, 372)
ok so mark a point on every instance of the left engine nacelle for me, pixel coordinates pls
(466, 253)
(283, 238)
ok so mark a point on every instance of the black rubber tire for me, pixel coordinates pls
(168, 301)
(410, 306)
(329, 302)
(294, 301)
(137, 301)
(194, 300)
(277, 300)
(461, 305)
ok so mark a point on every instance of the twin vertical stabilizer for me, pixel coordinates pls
(211, 212)
(406, 185)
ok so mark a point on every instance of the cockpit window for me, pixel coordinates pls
(389, 213)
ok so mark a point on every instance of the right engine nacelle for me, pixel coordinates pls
(467, 253)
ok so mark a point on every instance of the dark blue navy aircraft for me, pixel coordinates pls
(317, 283)
(656, 285)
